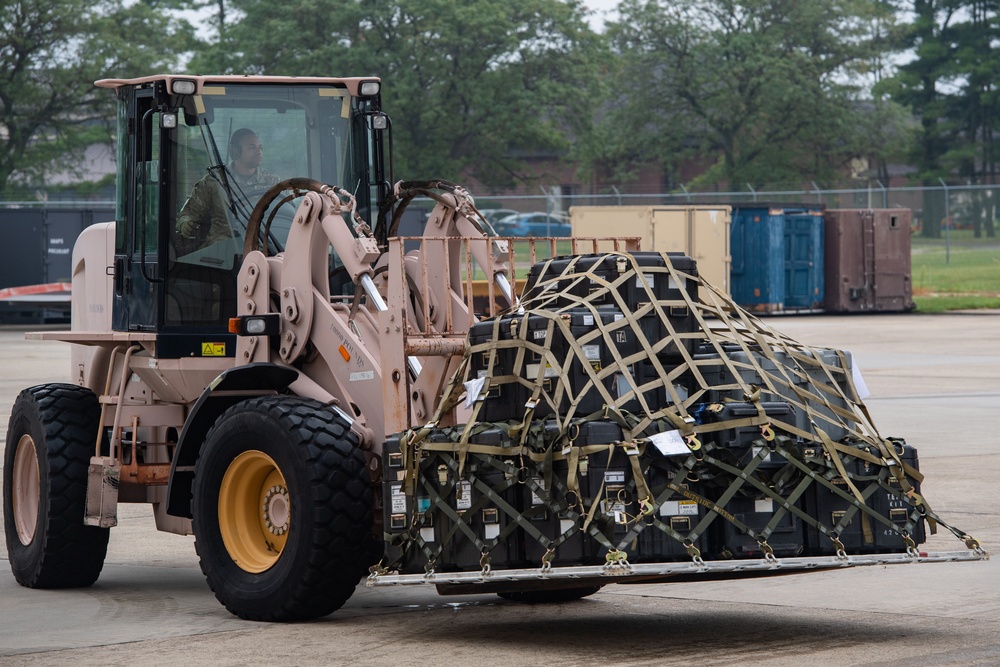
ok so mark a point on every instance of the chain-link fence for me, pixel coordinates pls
(963, 206)
(936, 209)
(954, 249)
(942, 214)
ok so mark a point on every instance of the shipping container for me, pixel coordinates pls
(757, 239)
(777, 257)
(38, 250)
(868, 260)
(701, 232)
(804, 261)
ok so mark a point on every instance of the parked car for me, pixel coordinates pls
(534, 224)
(494, 215)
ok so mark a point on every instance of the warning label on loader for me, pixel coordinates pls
(213, 349)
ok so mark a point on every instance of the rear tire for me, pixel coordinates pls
(550, 596)
(50, 439)
(282, 509)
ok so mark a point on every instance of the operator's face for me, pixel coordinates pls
(251, 154)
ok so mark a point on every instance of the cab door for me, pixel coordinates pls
(137, 271)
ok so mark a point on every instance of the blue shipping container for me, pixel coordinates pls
(804, 267)
(757, 243)
(777, 257)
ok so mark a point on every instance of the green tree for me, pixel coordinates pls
(919, 84)
(768, 90)
(975, 108)
(51, 52)
(950, 85)
(472, 88)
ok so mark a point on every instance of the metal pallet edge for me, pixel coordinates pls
(622, 572)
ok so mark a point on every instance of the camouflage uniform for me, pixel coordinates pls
(205, 217)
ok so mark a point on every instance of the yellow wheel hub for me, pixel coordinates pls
(254, 511)
(26, 492)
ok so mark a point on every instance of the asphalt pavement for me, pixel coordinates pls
(935, 380)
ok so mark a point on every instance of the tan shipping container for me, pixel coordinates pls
(702, 232)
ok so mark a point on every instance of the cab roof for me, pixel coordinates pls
(351, 83)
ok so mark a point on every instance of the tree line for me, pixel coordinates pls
(735, 92)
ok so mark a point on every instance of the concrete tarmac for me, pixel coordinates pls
(935, 380)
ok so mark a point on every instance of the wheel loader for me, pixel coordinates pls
(319, 399)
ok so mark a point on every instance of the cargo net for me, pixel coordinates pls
(628, 411)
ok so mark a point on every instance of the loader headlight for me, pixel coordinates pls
(182, 87)
(380, 121)
(370, 88)
(255, 325)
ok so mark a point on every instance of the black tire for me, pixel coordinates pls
(550, 596)
(59, 422)
(299, 458)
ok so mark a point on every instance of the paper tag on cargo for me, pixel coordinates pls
(859, 382)
(670, 443)
(472, 390)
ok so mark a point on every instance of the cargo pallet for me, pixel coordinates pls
(623, 572)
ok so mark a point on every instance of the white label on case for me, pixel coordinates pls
(463, 500)
(398, 498)
(531, 371)
(679, 508)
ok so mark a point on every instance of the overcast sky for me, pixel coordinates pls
(600, 9)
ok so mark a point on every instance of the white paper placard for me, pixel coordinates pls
(472, 390)
(859, 382)
(670, 443)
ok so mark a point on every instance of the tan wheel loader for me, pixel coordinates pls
(260, 355)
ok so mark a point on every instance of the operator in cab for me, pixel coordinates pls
(204, 219)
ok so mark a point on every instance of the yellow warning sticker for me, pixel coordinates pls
(213, 349)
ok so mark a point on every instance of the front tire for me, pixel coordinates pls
(282, 509)
(50, 439)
